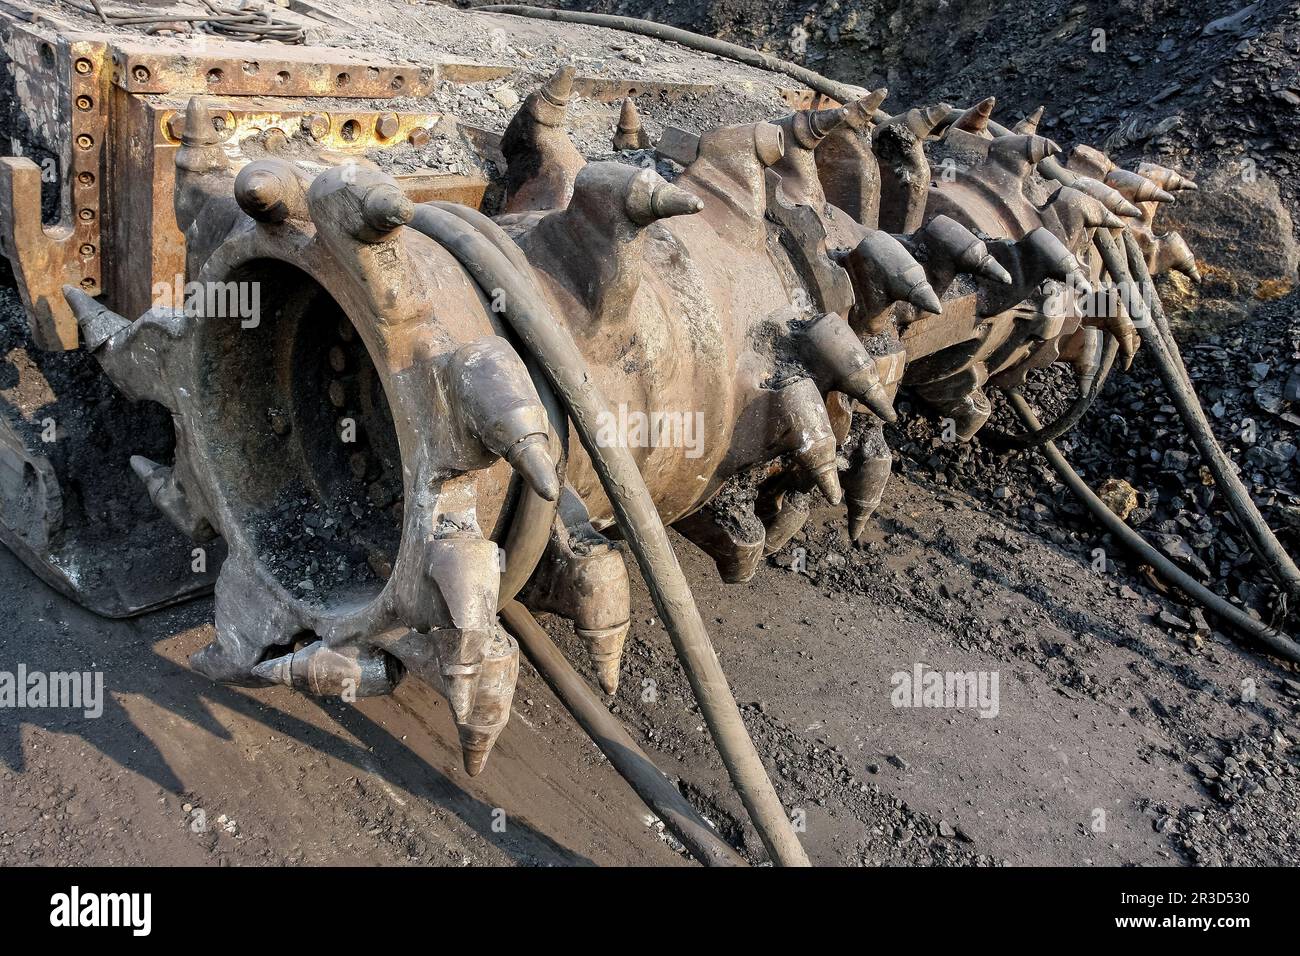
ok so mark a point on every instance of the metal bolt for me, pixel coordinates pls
(387, 125)
(275, 140)
(316, 125)
(338, 360)
(176, 125)
(419, 137)
(83, 66)
(87, 250)
(279, 421)
(140, 73)
(359, 465)
(85, 141)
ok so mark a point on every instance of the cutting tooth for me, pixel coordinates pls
(605, 648)
(278, 670)
(1058, 262)
(828, 482)
(1135, 187)
(531, 458)
(861, 112)
(668, 200)
(1111, 198)
(493, 390)
(864, 486)
(1026, 148)
(630, 134)
(1029, 124)
(922, 295)
(990, 268)
(1165, 178)
(98, 324)
(968, 252)
(836, 354)
(200, 127)
(384, 208)
(478, 732)
(976, 119)
(152, 474)
(559, 87)
(922, 121)
(460, 682)
(1174, 253)
(802, 425)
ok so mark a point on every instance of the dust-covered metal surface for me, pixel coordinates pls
(242, 242)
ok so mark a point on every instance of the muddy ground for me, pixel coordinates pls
(1119, 739)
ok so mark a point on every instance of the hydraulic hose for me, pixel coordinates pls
(1137, 265)
(842, 92)
(1067, 419)
(632, 763)
(564, 365)
(1276, 642)
(524, 527)
(1151, 326)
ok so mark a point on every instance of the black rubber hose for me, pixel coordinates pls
(1150, 323)
(1278, 643)
(524, 528)
(564, 364)
(632, 763)
(1137, 265)
(1063, 422)
(842, 92)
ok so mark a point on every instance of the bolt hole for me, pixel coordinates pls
(47, 56)
(282, 77)
(140, 73)
(350, 131)
(251, 67)
(215, 75)
(83, 66)
(343, 79)
(86, 179)
(399, 81)
(85, 103)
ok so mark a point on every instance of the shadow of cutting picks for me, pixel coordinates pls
(47, 632)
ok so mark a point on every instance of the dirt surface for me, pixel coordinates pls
(279, 778)
(1102, 707)
(1199, 84)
